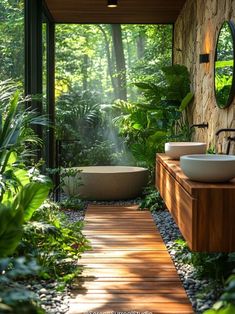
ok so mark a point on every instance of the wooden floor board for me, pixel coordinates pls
(128, 267)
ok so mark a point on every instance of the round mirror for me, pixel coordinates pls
(224, 65)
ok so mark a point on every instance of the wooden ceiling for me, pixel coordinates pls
(128, 11)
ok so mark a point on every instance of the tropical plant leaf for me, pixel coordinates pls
(30, 198)
(12, 158)
(9, 118)
(10, 229)
(22, 176)
(220, 308)
(41, 228)
(137, 126)
(157, 137)
(186, 101)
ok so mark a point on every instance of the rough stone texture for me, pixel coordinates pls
(196, 31)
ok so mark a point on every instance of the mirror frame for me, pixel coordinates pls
(232, 89)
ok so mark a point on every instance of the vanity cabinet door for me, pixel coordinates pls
(181, 205)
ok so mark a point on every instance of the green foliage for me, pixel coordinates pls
(183, 251)
(86, 70)
(11, 229)
(20, 196)
(71, 181)
(223, 86)
(12, 39)
(101, 152)
(17, 209)
(54, 242)
(14, 298)
(43, 232)
(30, 198)
(226, 302)
(159, 117)
(86, 49)
(72, 202)
(157, 51)
(224, 63)
(209, 265)
(22, 191)
(211, 149)
(224, 66)
(16, 134)
(152, 199)
(78, 114)
(80, 117)
(186, 101)
(177, 82)
(214, 265)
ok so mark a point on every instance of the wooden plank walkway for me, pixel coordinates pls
(129, 268)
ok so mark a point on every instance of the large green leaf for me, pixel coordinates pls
(10, 229)
(22, 176)
(186, 101)
(157, 137)
(9, 118)
(12, 158)
(227, 309)
(31, 197)
(137, 126)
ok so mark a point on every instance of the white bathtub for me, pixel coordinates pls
(107, 182)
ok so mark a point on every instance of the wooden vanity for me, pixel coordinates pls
(204, 212)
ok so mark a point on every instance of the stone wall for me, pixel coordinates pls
(195, 32)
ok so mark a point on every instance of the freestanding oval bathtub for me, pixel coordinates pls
(106, 182)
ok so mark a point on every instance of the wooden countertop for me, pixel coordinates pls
(173, 166)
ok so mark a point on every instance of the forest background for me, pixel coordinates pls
(106, 77)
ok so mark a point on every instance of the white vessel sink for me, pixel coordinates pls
(208, 168)
(176, 149)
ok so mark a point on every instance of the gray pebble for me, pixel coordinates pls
(43, 291)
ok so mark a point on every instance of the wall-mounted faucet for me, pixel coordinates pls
(229, 138)
(200, 125)
(224, 130)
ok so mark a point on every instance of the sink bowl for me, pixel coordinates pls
(208, 168)
(176, 149)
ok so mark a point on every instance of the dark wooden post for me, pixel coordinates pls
(51, 149)
(33, 56)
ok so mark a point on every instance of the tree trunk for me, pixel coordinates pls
(140, 43)
(120, 60)
(111, 69)
(85, 72)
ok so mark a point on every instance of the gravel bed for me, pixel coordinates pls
(75, 215)
(117, 203)
(51, 299)
(78, 215)
(200, 292)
